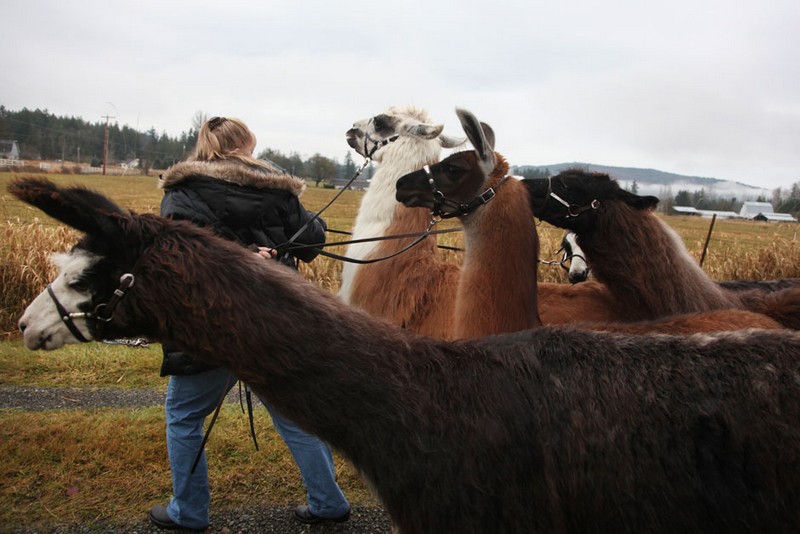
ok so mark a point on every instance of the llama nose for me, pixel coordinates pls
(22, 326)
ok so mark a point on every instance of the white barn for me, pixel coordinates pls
(9, 150)
(685, 210)
(763, 211)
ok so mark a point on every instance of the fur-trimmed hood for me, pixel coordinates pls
(233, 172)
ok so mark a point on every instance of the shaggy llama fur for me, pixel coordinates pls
(547, 430)
(498, 279)
(638, 256)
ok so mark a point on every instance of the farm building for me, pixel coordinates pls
(685, 210)
(763, 211)
(9, 150)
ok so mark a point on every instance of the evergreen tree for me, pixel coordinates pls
(683, 199)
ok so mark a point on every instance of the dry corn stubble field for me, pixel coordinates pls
(85, 466)
(737, 249)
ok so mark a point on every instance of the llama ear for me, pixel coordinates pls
(636, 201)
(649, 201)
(488, 133)
(481, 136)
(448, 141)
(420, 129)
(83, 209)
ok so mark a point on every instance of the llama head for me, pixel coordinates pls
(453, 183)
(573, 198)
(88, 275)
(578, 270)
(373, 137)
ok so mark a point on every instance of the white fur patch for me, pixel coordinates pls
(43, 327)
(376, 212)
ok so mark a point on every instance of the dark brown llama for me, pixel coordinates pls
(547, 430)
(638, 256)
(498, 278)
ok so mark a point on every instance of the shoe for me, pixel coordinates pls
(304, 515)
(160, 518)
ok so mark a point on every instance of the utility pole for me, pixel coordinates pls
(105, 144)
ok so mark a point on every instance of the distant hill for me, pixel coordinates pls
(654, 182)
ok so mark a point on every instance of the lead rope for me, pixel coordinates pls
(249, 397)
(367, 160)
(197, 457)
(281, 248)
(419, 238)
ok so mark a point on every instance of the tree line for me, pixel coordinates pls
(42, 135)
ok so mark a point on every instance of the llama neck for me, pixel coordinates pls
(359, 384)
(497, 289)
(299, 345)
(646, 265)
(414, 289)
(377, 210)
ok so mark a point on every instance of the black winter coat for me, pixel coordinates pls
(244, 204)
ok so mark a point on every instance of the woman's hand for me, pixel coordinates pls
(267, 252)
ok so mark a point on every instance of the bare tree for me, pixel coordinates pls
(320, 168)
(199, 118)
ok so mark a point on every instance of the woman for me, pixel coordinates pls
(223, 187)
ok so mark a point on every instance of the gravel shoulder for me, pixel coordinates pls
(260, 519)
(44, 398)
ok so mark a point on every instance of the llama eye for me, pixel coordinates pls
(381, 123)
(79, 286)
(453, 171)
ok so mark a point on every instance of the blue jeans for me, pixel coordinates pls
(189, 400)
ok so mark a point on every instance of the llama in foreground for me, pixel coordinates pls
(498, 283)
(638, 256)
(546, 430)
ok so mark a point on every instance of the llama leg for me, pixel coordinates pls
(190, 399)
(314, 458)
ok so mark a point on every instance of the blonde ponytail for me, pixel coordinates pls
(223, 138)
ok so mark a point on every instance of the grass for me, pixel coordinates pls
(91, 365)
(110, 465)
(85, 466)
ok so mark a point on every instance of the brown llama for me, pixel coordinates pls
(501, 254)
(417, 289)
(638, 256)
(574, 260)
(546, 430)
(404, 289)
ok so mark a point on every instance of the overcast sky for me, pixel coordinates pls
(702, 88)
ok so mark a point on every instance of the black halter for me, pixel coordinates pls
(103, 312)
(377, 144)
(281, 248)
(573, 210)
(460, 209)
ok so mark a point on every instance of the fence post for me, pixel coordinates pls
(708, 238)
